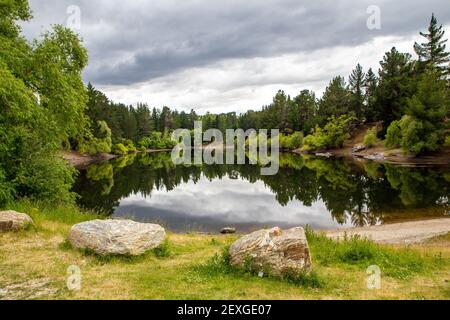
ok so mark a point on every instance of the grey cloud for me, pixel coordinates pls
(137, 41)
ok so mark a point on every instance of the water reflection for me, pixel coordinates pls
(320, 192)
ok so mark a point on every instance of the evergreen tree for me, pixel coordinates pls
(303, 112)
(370, 87)
(144, 122)
(335, 101)
(395, 85)
(356, 86)
(433, 52)
(424, 127)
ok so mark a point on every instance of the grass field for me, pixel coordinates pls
(34, 263)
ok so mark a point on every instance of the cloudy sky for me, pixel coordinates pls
(232, 55)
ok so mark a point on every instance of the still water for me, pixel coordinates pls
(321, 193)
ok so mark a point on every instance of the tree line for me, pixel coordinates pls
(411, 94)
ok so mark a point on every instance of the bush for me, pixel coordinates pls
(394, 135)
(158, 141)
(447, 141)
(291, 142)
(46, 178)
(370, 139)
(119, 149)
(97, 144)
(333, 135)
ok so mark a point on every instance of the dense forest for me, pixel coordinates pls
(45, 107)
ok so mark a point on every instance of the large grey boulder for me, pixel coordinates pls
(116, 237)
(276, 251)
(14, 221)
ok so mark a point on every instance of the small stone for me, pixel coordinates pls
(228, 230)
(14, 221)
(358, 148)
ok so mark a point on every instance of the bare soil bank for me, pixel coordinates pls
(81, 161)
(385, 155)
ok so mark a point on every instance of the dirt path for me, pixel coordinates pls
(398, 233)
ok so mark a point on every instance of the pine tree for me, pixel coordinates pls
(335, 101)
(395, 86)
(370, 87)
(356, 86)
(433, 52)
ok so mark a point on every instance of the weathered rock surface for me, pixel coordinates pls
(375, 157)
(14, 221)
(116, 237)
(276, 250)
(324, 154)
(358, 148)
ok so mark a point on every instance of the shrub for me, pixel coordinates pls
(370, 139)
(394, 135)
(291, 142)
(447, 141)
(158, 141)
(119, 149)
(333, 135)
(97, 144)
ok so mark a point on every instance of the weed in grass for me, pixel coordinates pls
(400, 264)
(163, 251)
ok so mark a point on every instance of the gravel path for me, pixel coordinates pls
(398, 233)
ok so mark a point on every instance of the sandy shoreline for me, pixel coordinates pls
(398, 233)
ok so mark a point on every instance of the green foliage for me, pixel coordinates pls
(396, 84)
(220, 264)
(163, 251)
(158, 141)
(333, 135)
(447, 141)
(394, 135)
(356, 84)
(291, 142)
(93, 144)
(433, 52)
(335, 101)
(42, 98)
(424, 127)
(370, 139)
(119, 149)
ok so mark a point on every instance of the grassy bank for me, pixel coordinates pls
(34, 262)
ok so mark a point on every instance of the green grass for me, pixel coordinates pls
(194, 266)
(362, 253)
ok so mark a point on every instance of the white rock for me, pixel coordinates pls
(13, 221)
(116, 237)
(276, 250)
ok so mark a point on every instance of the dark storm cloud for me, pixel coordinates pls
(137, 41)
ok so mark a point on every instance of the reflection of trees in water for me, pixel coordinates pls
(357, 193)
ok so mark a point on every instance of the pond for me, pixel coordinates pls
(321, 193)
